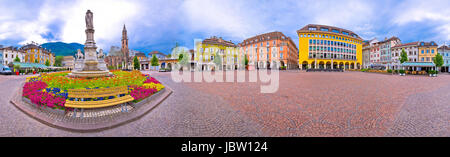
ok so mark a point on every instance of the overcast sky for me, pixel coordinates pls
(158, 24)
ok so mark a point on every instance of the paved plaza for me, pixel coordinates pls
(306, 104)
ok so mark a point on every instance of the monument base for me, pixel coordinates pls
(89, 74)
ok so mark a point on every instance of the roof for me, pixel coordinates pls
(444, 47)
(351, 34)
(267, 36)
(418, 64)
(30, 65)
(140, 54)
(218, 41)
(156, 52)
(416, 43)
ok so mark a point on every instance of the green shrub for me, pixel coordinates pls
(389, 70)
(402, 71)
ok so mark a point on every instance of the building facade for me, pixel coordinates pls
(368, 48)
(10, 53)
(270, 50)
(158, 55)
(68, 62)
(444, 50)
(120, 59)
(427, 51)
(37, 54)
(215, 46)
(322, 46)
(411, 49)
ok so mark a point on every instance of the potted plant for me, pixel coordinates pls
(402, 72)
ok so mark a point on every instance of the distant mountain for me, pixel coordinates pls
(63, 49)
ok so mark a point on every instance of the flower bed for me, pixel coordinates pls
(51, 89)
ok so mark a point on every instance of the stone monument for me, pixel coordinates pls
(90, 65)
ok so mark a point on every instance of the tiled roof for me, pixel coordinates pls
(140, 54)
(407, 44)
(156, 52)
(266, 36)
(218, 41)
(444, 47)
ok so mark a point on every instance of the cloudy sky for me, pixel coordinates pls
(159, 24)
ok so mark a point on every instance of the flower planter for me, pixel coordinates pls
(17, 73)
(44, 108)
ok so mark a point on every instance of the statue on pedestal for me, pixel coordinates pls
(79, 55)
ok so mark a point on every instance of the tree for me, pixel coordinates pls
(17, 59)
(245, 60)
(58, 61)
(169, 56)
(180, 57)
(136, 64)
(438, 61)
(218, 60)
(47, 63)
(403, 56)
(154, 61)
(36, 61)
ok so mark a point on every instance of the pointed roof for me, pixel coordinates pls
(124, 28)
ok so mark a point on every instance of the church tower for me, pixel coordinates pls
(125, 50)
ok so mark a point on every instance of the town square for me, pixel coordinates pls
(315, 79)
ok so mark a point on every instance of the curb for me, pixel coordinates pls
(44, 118)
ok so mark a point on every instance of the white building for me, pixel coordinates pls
(10, 53)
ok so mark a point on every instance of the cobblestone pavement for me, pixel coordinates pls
(306, 104)
(181, 114)
(343, 104)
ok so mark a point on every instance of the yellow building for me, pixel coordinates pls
(207, 50)
(427, 51)
(329, 47)
(37, 53)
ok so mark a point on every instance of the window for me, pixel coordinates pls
(432, 51)
(324, 29)
(335, 31)
(345, 33)
(422, 53)
(281, 48)
(212, 57)
(312, 28)
(281, 55)
(428, 51)
(310, 41)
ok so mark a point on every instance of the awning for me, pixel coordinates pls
(418, 64)
(30, 65)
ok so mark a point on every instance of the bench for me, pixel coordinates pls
(80, 95)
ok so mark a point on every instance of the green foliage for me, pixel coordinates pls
(154, 61)
(17, 59)
(401, 71)
(58, 61)
(389, 70)
(438, 60)
(36, 61)
(245, 60)
(403, 56)
(136, 63)
(180, 57)
(169, 56)
(47, 63)
(364, 70)
(218, 60)
(16, 67)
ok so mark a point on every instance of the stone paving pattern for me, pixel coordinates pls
(306, 104)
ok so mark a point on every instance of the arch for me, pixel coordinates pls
(335, 65)
(358, 66)
(169, 65)
(313, 64)
(305, 65)
(341, 65)
(352, 65)
(163, 65)
(347, 65)
(328, 65)
(321, 65)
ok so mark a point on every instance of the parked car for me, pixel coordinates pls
(4, 70)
